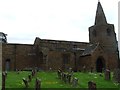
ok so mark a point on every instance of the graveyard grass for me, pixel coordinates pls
(50, 80)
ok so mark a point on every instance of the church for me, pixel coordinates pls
(100, 53)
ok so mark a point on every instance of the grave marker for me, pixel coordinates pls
(37, 84)
(107, 74)
(92, 85)
(25, 82)
(75, 82)
(29, 77)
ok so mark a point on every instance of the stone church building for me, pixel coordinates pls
(100, 53)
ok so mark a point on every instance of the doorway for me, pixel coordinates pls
(100, 64)
(7, 65)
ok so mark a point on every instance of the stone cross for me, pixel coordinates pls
(92, 85)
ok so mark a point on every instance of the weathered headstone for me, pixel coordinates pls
(92, 85)
(29, 77)
(116, 75)
(84, 68)
(37, 84)
(33, 72)
(107, 74)
(25, 82)
(69, 78)
(70, 70)
(65, 78)
(75, 82)
(59, 73)
(62, 75)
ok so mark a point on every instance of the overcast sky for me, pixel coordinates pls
(24, 20)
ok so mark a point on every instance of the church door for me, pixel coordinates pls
(100, 64)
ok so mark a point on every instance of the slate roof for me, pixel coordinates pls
(89, 49)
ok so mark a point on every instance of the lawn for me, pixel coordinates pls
(50, 80)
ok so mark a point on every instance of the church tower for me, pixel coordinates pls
(104, 34)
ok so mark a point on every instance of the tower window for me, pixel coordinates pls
(94, 33)
(108, 32)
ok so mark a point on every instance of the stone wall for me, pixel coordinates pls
(20, 56)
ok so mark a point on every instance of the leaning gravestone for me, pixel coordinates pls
(107, 74)
(116, 75)
(92, 85)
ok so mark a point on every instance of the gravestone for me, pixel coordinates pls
(59, 74)
(62, 75)
(116, 75)
(69, 78)
(75, 82)
(29, 77)
(25, 82)
(33, 72)
(107, 74)
(84, 68)
(37, 84)
(70, 70)
(65, 78)
(92, 85)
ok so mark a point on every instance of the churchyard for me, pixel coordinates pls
(58, 79)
